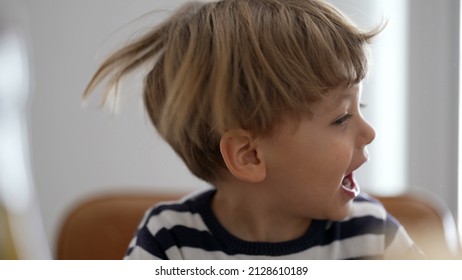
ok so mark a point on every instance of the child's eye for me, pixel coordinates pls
(343, 119)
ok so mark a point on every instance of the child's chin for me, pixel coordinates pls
(342, 214)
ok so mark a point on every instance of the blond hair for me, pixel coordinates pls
(238, 64)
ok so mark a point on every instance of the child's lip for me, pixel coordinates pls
(355, 167)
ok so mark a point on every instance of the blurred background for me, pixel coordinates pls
(55, 152)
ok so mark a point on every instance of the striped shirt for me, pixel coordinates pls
(188, 229)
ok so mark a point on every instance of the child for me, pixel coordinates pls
(261, 99)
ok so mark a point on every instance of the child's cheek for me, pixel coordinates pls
(342, 154)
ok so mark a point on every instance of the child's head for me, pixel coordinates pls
(238, 64)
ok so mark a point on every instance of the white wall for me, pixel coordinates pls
(79, 152)
(433, 97)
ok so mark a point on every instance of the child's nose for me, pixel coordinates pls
(367, 133)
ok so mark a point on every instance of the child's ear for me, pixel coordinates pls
(242, 156)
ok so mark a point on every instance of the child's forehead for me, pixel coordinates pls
(324, 107)
(334, 98)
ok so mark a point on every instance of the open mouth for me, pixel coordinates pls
(350, 186)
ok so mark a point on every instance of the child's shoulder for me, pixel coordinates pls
(167, 223)
(366, 205)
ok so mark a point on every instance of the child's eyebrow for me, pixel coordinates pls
(338, 100)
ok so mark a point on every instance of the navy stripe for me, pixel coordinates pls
(186, 206)
(372, 257)
(351, 228)
(151, 244)
(362, 198)
(181, 236)
(129, 251)
(390, 230)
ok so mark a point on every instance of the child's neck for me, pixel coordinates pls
(250, 214)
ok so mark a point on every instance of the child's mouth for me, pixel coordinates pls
(350, 186)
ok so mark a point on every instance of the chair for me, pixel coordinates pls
(102, 227)
(428, 222)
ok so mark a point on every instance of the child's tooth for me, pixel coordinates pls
(347, 182)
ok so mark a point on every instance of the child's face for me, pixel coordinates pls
(308, 161)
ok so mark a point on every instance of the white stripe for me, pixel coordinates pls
(401, 242)
(139, 253)
(133, 242)
(169, 218)
(361, 209)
